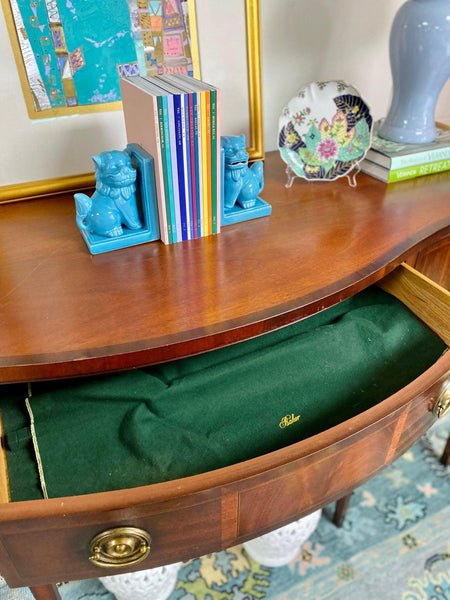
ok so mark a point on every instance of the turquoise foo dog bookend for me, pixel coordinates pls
(114, 200)
(241, 184)
(122, 211)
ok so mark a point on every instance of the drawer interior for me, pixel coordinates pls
(216, 409)
(4, 482)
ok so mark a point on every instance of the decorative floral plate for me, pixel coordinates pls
(324, 131)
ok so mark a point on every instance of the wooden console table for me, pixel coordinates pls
(66, 313)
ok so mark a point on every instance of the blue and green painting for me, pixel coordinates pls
(75, 51)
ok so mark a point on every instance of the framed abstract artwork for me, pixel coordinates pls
(71, 54)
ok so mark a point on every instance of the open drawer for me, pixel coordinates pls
(86, 535)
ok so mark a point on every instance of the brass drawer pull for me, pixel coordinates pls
(442, 404)
(120, 547)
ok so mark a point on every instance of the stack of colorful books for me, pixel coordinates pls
(393, 161)
(176, 119)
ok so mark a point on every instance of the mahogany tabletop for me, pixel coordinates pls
(64, 312)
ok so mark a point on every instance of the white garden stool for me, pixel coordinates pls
(13, 594)
(157, 583)
(279, 547)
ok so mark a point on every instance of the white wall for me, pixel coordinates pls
(302, 41)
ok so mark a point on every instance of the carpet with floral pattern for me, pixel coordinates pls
(394, 544)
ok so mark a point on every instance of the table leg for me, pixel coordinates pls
(341, 510)
(45, 592)
(445, 458)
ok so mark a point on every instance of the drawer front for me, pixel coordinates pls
(327, 475)
(59, 548)
(49, 541)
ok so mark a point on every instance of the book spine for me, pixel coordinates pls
(218, 161)
(204, 158)
(179, 199)
(215, 221)
(186, 164)
(175, 189)
(413, 171)
(165, 154)
(208, 161)
(170, 167)
(192, 159)
(407, 160)
(157, 161)
(420, 158)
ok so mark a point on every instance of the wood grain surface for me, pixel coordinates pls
(64, 312)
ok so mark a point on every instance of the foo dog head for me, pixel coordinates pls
(234, 147)
(113, 169)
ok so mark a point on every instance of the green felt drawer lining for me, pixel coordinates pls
(204, 412)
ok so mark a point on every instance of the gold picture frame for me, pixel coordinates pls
(253, 26)
(66, 184)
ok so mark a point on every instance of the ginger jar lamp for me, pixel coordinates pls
(419, 52)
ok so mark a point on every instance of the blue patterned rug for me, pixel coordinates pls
(394, 544)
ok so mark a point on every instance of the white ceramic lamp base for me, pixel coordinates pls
(156, 584)
(279, 547)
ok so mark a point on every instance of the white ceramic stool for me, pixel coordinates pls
(157, 583)
(279, 547)
(13, 594)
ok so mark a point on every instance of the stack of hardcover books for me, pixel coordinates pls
(176, 119)
(393, 161)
